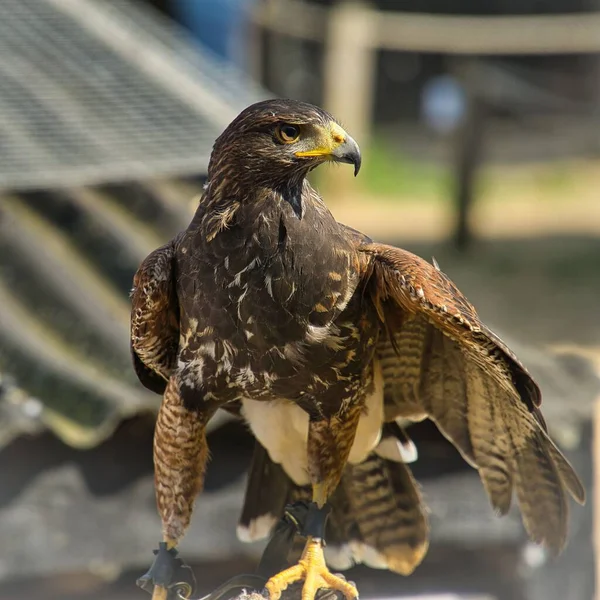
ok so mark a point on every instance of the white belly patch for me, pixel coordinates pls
(282, 428)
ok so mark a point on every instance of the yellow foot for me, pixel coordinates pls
(312, 568)
(160, 593)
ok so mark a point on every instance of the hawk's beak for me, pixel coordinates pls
(338, 146)
(348, 152)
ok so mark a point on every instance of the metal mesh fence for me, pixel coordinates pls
(80, 104)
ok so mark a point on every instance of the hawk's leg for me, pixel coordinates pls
(311, 566)
(180, 454)
(168, 573)
(329, 443)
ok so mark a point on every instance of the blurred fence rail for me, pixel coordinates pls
(353, 32)
(527, 34)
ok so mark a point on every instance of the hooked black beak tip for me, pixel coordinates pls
(357, 163)
(349, 152)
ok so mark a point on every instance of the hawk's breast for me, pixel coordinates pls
(266, 299)
(282, 429)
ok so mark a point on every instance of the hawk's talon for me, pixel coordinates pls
(274, 557)
(168, 578)
(312, 568)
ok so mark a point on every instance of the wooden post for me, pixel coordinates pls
(469, 156)
(348, 77)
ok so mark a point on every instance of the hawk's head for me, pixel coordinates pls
(276, 141)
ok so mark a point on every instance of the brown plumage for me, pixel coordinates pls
(320, 336)
(377, 515)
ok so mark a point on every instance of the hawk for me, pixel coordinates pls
(328, 344)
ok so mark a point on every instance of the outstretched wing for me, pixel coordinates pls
(155, 319)
(440, 362)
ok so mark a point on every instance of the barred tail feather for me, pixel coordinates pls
(267, 493)
(377, 515)
(381, 508)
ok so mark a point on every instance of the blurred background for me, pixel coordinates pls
(480, 131)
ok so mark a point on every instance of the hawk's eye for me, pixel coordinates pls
(287, 133)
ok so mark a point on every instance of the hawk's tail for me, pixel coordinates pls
(377, 515)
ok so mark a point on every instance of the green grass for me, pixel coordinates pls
(558, 179)
(551, 182)
(390, 174)
(387, 171)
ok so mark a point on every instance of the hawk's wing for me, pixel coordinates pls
(155, 319)
(441, 362)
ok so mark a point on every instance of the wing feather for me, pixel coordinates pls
(443, 390)
(155, 319)
(440, 361)
(490, 440)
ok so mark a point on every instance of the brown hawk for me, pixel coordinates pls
(325, 341)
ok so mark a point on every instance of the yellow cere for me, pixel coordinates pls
(335, 136)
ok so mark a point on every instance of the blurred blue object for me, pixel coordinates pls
(443, 103)
(217, 24)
